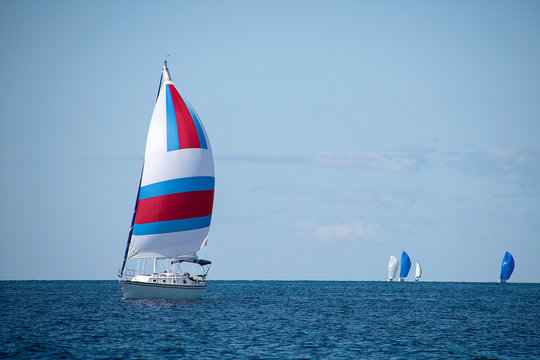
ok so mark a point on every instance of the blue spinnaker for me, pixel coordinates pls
(405, 265)
(507, 266)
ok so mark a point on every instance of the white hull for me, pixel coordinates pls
(141, 290)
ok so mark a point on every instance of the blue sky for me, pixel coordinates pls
(343, 132)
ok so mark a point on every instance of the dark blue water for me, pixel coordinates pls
(272, 320)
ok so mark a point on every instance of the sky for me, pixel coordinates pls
(343, 132)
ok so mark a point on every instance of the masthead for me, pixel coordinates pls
(166, 75)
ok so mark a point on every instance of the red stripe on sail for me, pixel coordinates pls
(187, 132)
(175, 206)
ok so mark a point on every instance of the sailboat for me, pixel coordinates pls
(405, 266)
(393, 264)
(507, 267)
(418, 272)
(174, 203)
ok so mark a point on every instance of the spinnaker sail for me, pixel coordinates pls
(176, 193)
(507, 266)
(405, 266)
(418, 272)
(393, 265)
(174, 203)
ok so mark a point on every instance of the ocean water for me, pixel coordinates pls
(272, 320)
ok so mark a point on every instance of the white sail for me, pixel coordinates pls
(418, 272)
(393, 265)
(176, 194)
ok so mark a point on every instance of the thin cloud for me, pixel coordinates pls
(329, 194)
(278, 159)
(512, 166)
(335, 232)
(400, 160)
(390, 161)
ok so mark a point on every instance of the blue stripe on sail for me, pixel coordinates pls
(173, 143)
(164, 227)
(198, 126)
(197, 183)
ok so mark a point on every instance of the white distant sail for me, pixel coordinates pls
(418, 272)
(393, 265)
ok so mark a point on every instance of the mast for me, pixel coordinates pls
(165, 71)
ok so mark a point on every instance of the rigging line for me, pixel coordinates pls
(159, 88)
(132, 225)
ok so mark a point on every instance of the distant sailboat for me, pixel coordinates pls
(393, 265)
(405, 266)
(507, 267)
(418, 272)
(174, 203)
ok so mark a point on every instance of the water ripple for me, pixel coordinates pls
(272, 320)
